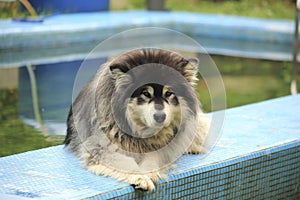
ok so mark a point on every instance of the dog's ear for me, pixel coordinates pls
(119, 75)
(190, 70)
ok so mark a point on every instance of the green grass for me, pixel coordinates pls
(270, 9)
(249, 80)
(251, 8)
(15, 136)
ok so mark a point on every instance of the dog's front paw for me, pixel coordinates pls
(155, 176)
(141, 182)
(194, 150)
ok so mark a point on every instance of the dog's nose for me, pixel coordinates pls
(159, 117)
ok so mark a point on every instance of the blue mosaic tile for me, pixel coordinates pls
(268, 170)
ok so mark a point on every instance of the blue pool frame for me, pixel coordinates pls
(61, 38)
(256, 157)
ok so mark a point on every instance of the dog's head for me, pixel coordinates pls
(152, 106)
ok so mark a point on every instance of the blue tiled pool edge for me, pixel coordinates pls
(257, 157)
(193, 188)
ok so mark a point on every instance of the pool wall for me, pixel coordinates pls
(71, 36)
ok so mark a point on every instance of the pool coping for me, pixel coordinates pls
(66, 37)
(252, 131)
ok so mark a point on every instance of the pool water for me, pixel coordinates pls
(250, 80)
(54, 84)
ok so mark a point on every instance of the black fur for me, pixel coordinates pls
(130, 60)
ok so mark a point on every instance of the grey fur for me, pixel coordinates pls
(96, 137)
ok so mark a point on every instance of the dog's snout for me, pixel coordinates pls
(159, 106)
(159, 117)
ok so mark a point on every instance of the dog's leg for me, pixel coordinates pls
(197, 145)
(120, 167)
(150, 165)
(139, 181)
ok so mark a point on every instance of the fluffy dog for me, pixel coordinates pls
(137, 116)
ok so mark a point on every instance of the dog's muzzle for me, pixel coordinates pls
(159, 117)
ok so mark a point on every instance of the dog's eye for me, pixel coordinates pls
(168, 94)
(147, 94)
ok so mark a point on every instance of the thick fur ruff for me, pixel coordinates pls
(94, 135)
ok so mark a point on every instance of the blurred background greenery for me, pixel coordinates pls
(252, 8)
(246, 80)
